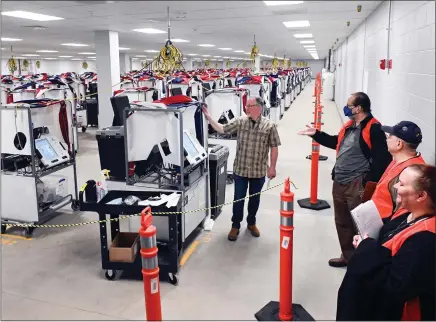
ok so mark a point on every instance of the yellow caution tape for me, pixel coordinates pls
(134, 215)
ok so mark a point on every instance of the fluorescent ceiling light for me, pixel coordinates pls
(140, 55)
(206, 45)
(312, 50)
(281, 3)
(303, 35)
(30, 15)
(307, 42)
(309, 46)
(123, 48)
(66, 56)
(77, 59)
(150, 31)
(46, 51)
(247, 53)
(296, 24)
(179, 40)
(135, 58)
(151, 51)
(30, 55)
(92, 57)
(50, 58)
(11, 39)
(149, 59)
(227, 57)
(213, 59)
(239, 51)
(217, 56)
(225, 48)
(74, 45)
(86, 53)
(192, 54)
(205, 55)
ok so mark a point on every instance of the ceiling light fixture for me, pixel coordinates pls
(281, 3)
(303, 35)
(74, 45)
(307, 42)
(46, 51)
(151, 51)
(239, 51)
(50, 58)
(296, 24)
(77, 59)
(227, 57)
(206, 45)
(10, 39)
(150, 31)
(140, 55)
(123, 48)
(30, 55)
(86, 53)
(192, 54)
(30, 15)
(217, 56)
(225, 48)
(205, 55)
(309, 46)
(92, 57)
(66, 56)
(179, 40)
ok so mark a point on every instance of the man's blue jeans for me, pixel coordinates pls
(241, 185)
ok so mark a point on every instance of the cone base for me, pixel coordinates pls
(321, 157)
(270, 312)
(320, 205)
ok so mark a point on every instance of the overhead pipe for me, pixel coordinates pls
(389, 33)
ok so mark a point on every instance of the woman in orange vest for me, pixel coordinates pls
(393, 278)
(403, 140)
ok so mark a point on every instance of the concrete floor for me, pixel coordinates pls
(57, 274)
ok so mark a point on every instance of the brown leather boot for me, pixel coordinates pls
(233, 235)
(338, 262)
(254, 230)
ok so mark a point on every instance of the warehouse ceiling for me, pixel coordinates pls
(225, 24)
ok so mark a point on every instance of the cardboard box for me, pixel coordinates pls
(124, 248)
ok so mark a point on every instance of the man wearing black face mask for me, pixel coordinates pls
(361, 156)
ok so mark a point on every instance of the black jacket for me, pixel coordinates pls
(379, 156)
(377, 285)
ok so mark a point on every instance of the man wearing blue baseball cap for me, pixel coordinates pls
(403, 140)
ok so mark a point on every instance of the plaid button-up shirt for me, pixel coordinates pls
(255, 138)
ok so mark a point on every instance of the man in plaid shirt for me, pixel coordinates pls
(257, 135)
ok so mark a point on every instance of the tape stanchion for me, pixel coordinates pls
(313, 202)
(285, 310)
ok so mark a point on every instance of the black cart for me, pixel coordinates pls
(169, 251)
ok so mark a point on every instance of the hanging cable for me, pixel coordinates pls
(170, 57)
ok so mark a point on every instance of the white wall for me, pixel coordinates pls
(407, 91)
(54, 67)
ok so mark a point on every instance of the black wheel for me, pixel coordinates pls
(84, 129)
(28, 232)
(173, 279)
(3, 228)
(75, 205)
(110, 275)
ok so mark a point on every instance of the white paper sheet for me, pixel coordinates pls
(367, 219)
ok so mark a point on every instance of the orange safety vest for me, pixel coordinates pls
(382, 196)
(366, 133)
(412, 308)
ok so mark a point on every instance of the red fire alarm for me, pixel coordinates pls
(383, 64)
(390, 64)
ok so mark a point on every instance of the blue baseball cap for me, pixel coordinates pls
(405, 130)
